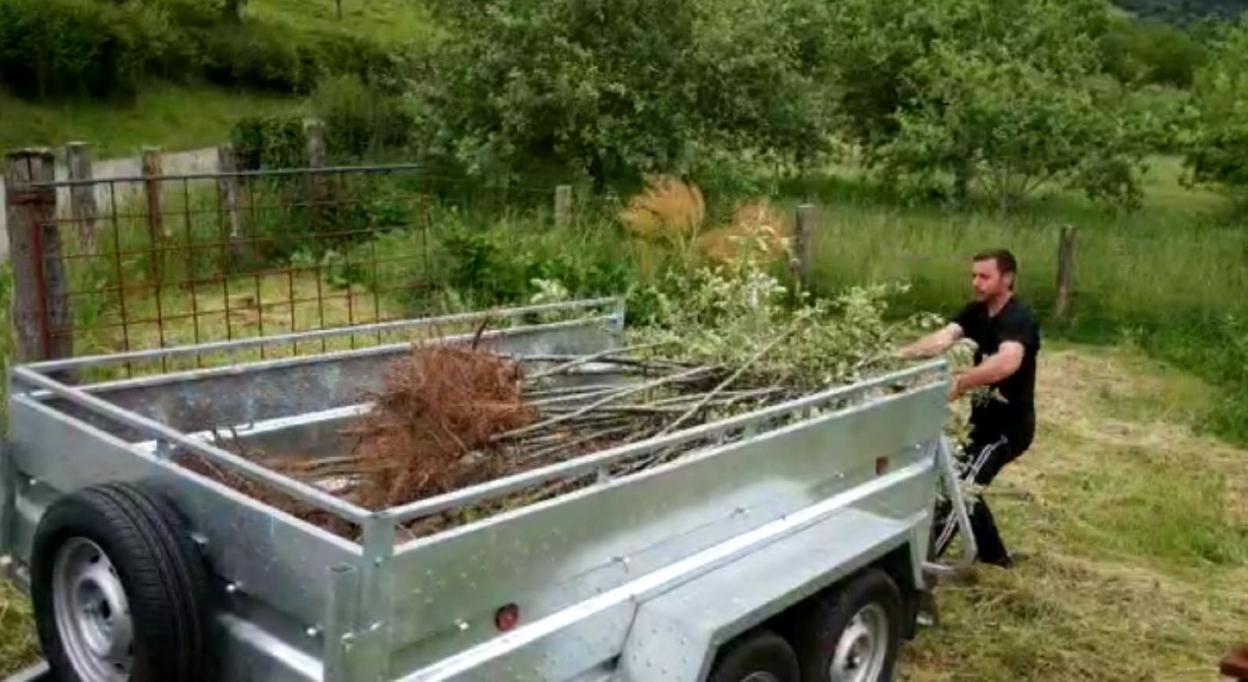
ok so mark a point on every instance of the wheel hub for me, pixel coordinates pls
(92, 612)
(862, 647)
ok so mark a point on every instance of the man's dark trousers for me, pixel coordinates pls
(990, 451)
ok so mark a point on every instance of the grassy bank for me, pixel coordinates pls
(173, 117)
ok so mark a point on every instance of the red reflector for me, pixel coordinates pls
(507, 617)
(881, 466)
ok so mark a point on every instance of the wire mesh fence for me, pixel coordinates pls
(153, 261)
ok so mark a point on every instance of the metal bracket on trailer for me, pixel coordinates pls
(949, 478)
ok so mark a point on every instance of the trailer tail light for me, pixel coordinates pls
(881, 466)
(507, 617)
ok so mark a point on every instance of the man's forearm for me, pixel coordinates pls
(985, 374)
(931, 345)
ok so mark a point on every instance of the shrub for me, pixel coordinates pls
(360, 120)
(269, 142)
(81, 47)
(255, 58)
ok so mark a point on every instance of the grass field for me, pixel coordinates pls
(173, 117)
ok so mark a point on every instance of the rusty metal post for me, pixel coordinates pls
(42, 320)
(82, 207)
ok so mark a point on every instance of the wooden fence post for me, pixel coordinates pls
(227, 189)
(563, 205)
(314, 132)
(82, 208)
(1065, 273)
(42, 322)
(805, 226)
(152, 168)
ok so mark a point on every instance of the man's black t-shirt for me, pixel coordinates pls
(1010, 408)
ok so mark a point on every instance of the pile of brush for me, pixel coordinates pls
(449, 417)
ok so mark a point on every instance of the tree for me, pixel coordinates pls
(616, 88)
(1151, 52)
(1218, 149)
(601, 86)
(992, 120)
(994, 94)
(761, 74)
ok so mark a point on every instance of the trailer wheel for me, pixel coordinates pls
(761, 656)
(853, 633)
(119, 589)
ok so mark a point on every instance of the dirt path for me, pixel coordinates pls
(1135, 534)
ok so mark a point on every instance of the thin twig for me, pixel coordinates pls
(631, 390)
(584, 360)
(728, 381)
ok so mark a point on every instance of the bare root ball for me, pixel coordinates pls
(430, 430)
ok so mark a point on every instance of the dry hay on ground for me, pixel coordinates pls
(1111, 586)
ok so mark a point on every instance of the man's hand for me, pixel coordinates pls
(956, 389)
(994, 368)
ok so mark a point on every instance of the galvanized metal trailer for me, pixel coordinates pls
(669, 573)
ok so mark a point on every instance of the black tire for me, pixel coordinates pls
(149, 553)
(817, 635)
(760, 651)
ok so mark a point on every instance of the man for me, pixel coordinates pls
(1003, 418)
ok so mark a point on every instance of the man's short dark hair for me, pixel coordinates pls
(1006, 262)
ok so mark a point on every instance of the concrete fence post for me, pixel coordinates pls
(82, 206)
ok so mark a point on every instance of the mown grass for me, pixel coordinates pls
(1131, 528)
(173, 117)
